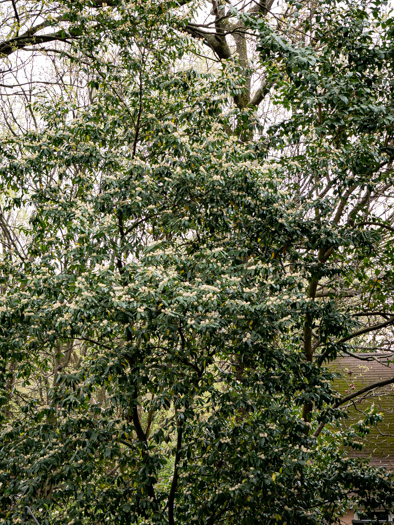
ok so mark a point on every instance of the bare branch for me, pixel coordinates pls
(366, 330)
(373, 223)
(360, 392)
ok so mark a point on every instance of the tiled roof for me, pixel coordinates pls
(356, 374)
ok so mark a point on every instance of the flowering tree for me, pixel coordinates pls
(192, 261)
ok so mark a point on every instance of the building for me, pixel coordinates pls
(378, 445)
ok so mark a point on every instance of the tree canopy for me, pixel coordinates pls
(196, 220)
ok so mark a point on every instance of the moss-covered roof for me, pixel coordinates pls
(356, 374)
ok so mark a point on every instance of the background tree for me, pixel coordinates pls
(193, 258)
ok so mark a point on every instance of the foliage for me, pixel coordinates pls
(167, 330)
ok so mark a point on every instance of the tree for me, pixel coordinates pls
(190, 266)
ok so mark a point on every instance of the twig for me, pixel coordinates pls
(31, 512)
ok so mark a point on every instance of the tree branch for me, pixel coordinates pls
(216, 42)
(261, 93)
(373, 223)
(171, 497)
(10, 46)
(345, 399)
(262, 7)
(378, 384)
(17, 17)
(366, 330)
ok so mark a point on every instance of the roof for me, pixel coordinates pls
(356, 374)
